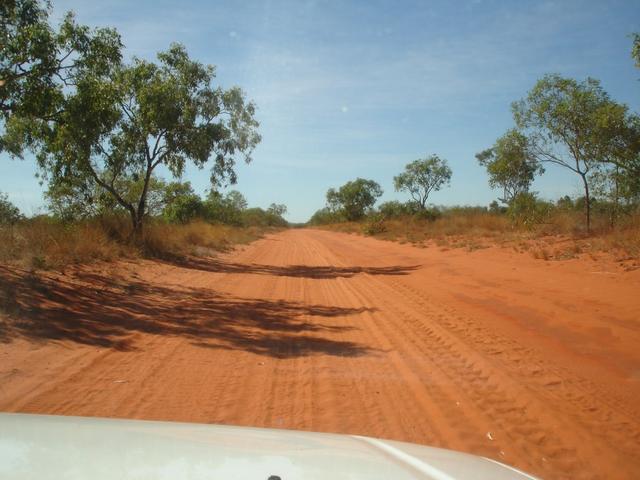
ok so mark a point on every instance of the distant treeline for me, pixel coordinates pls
(571, 124)
(173, 202)
(525, 211)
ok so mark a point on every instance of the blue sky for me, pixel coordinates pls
(359, 89)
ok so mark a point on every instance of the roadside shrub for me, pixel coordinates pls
(183, 209)
(527, 210)
(181, 203)
(393, 209)
(325, 216)
(428, 214)
(374, 225)
(258, 217)
(496, 208)
(9, 213)
(228, 209)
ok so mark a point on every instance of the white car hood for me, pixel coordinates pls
(43, 447)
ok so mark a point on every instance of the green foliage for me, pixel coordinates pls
(527, 210)
(577, 126)
(262, 218)
(565, 203)
(227, 209)
(236, 201)
(325, 216)
(28, 60)
(74, 200)
(231, 209)
(496, 208)
(394, 208)
(511, 165)
(181, 203)
(617, 191)
(277, 209)
(9, 213)
(423, 176)
(354, 199)
(77, 199)
(125, 121)
(614, 183)
(39, 65)
(254, 216)
(428, 214)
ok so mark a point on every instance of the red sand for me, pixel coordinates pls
(534, 363)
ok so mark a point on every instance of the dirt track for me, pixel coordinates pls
(533, 363)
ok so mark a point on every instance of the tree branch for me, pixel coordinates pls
(155, 147)
(108, 187)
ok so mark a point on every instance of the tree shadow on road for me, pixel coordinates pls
(107, 311)
(301, 271)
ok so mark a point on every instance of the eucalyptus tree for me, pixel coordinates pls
(354, 198)
(423, 176)
(127, 123)
(575, 125)
(510, 165)
(277, 209)
(236, 200)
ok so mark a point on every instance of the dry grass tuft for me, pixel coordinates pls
(418, 230)
(42, 243)
(162, 240)
(477, 229)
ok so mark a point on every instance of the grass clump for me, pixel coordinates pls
(474, 228)
(43, 242)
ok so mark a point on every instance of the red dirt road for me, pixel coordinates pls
(532, 363)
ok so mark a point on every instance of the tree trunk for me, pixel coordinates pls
(587, 201)
(136, 227)
(138, 218)
(616, 200)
